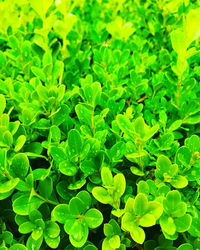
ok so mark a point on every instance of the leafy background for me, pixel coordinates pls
(99, 124)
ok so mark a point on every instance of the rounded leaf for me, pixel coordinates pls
(93, 218)
(20, 165)
(138, 235)
(167, 224)
(68, 168)
(20, 142)
(74, 141)
(18, 247)
(140, 204)
(179, 181)
(119, 184)
(60, 213)
(102, 195)
(186, 246)
(23, 206)
(52, 242)
(183, 223)
(106, 176)
(7, 186)
(148, 220)
(26, 227)
(78, 234)
(52, 230)
(2, 103)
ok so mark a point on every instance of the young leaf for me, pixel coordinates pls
(93, 218)
(20, 165)
(2, 104)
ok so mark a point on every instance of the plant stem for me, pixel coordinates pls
(178, 92)
(185, 238)
(140, 158)
(44, 199)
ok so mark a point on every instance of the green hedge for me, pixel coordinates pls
(99, 124)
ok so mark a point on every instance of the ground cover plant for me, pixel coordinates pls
(99, 124)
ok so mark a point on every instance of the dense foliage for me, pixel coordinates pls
(99, 124)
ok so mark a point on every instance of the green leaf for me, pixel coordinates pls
(7, 138)
(106, 176)
(52, 242)
(137, 171)
(117, 151)
(88, 167)
(35, 215)
(76, 206)
(164, 168)
(37, 233)
(40, 174)
(140, 127)
(90, 247)
(179, 181)
(195, 119)
(102, 195)
(178, 38)
(23, 206)
(7, 237)
(147, 220)
(26, 227)
(62, 115)
(106, 245)
(85, 197)
(52, 229)
(2, 63)
(20, 165)
(74, 142)
(39, 73)
(93, 218)
(118, 212)
(7, 186)
(114, 241)
(45, 187)
(173, 198)
(108, 230)
(175, 125)
(191, 25)
(185, 246)
(78, 184)
(84, 114)
(34, 244)
(78, 234)
(60, 213)
(2, 104)
(155, 208)
(143, 187)
(18, 246)
(183, 223)
(119, 185)
(125, 125)
(183, 156)
(58, 69)
(58, 154)
(138, 235)
(140, 204)
(55, 133)
(41, 7)
(167, 224)
(193, 143)
(68, 168)
(20, 142)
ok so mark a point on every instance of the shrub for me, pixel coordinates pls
(99, 124)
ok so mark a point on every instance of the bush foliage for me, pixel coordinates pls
(99, 124)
